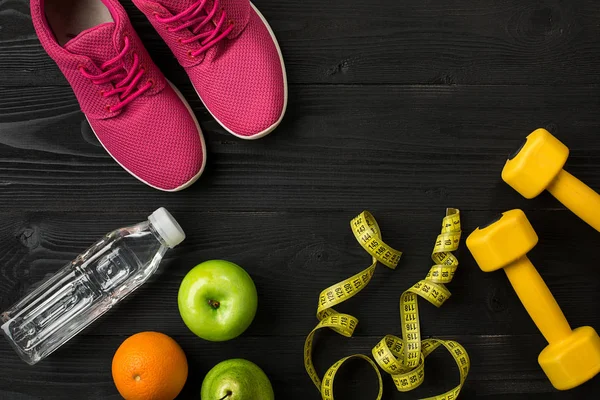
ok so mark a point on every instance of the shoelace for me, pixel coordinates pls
(125, 83)
(192, 19)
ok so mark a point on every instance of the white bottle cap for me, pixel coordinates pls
(167, 227)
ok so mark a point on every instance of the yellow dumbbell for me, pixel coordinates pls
(572, 356)
(538, 165)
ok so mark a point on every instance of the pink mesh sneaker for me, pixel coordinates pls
(142, 121)
(231, 56)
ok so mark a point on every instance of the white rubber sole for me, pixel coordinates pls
(285, 89)
(195, 177)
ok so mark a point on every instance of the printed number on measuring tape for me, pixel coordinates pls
(401, 357)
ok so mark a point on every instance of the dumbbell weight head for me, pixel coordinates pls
(573, 360)
(535, 164)
(502, 241)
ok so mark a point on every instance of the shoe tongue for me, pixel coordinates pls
(95, 43)
(175, 6)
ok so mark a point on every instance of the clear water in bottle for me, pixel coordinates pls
(88, 286)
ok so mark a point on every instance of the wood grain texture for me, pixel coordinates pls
(399, 107)
(380, 41)
(294, 257)
(339, 147)
(503, 367)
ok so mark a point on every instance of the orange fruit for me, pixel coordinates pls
(149, 366)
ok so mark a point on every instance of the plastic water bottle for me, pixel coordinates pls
(89, 286)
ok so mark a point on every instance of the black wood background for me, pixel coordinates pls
(401, 107)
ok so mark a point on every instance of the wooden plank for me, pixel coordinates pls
(339, 148)
(353, 41)
(292, 257)
(501, 366)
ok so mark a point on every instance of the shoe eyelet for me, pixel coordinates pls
(151, 82)
(231, 22)
(102, 92)
(189, 53)
(80, 68)
(107, 108)
(179, 40)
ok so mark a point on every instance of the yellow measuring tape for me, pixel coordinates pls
(403, 358)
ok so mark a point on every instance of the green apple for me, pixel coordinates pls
(217, 300)
(236, 379)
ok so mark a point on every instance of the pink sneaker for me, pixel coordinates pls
(139, 117)
(231, 56)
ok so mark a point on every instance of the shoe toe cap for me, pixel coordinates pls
(243, 83)
(157, 140)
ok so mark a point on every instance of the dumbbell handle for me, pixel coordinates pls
(538, 301)
(577, 197)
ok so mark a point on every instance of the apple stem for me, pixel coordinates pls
(214, 304)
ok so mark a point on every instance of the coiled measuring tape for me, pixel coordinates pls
(402, 358)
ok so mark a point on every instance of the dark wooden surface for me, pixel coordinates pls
(401, 107)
